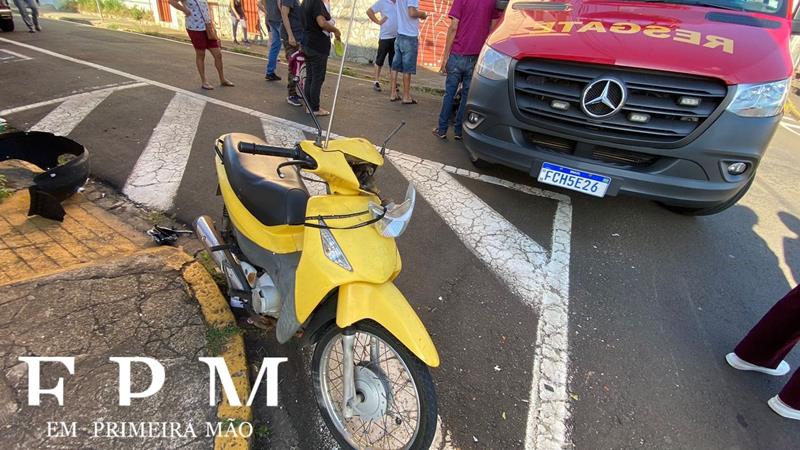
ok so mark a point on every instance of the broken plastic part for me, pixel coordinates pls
(58, 181)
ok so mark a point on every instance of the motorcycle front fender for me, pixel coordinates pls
(386, 305)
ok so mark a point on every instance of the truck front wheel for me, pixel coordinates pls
(710, 210)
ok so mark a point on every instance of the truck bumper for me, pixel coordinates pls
(691, 176)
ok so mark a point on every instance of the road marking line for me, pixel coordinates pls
(792, 128)
(62, 120)
(114, 87)
(541, 282)
(157, 174)
(549, 408)
(15, 55)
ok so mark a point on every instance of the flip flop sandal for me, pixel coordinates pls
(207, 87)
(412, 102)
(394, 99)
(227, 84)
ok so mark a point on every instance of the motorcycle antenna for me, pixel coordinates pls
(341, 70)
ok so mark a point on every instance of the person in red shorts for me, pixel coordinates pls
(765, 346)
(197, 16)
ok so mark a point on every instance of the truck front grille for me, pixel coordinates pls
(541, 85)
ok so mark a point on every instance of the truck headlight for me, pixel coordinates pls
(760, 100)
(493, 64)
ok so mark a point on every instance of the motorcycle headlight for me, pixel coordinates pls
(760, 100)
(396, 217)
(493, 64)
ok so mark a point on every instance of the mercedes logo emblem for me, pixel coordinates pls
(603, 97)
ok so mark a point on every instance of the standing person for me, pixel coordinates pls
(198, 21)
(262, 21)
(31, 18)
(293, 35)
(236, 9)
(317, 47)
(275, 26)
(406, 46)
(765, 346)
(470, 24)
(388, 22)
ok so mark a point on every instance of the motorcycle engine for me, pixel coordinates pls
(266, 299)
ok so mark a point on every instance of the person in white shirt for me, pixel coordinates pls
(406, 46)
(388, 22)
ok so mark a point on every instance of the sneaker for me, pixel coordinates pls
(38, 28)
(458, 137)
(439, 134)
(376, 86)
(294, 100)
(738, 363)
(782, 409)
(272, 77)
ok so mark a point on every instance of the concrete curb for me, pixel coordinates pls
(217, 313)
(792, 109)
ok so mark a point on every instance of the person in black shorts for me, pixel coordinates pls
(388, 23)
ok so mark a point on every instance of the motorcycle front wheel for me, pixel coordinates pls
(395, 401)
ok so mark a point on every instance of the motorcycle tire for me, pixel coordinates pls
(416, 369)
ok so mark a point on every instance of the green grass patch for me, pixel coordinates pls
(211, 267)
(5, 192)
(217, 338)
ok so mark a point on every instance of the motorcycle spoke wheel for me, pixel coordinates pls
(394, 392)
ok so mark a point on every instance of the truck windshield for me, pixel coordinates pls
(772, 7)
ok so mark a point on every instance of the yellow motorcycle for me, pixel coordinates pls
(324, 266)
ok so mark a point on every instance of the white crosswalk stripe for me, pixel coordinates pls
(157, 175)
(71, 112)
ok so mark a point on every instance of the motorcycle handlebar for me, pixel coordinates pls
(268, 150)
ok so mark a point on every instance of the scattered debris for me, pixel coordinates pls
(58, 181)
(166, 236)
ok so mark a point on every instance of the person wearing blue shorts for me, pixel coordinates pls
(405, 46)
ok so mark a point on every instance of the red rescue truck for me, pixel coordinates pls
(672, 100)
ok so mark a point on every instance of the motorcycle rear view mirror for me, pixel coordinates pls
(391, 135)
(318, 141)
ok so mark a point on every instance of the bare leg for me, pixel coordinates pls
(393, 83)
(407, 87)
(244, 31)
(377, 73)
(217, 54)
(200, 60)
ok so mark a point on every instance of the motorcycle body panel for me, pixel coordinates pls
(278, 239)
(374, 258)
(332, 164)
(386, 305)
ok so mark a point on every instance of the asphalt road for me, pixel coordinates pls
(655, 300)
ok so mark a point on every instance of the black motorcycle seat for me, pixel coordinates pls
(254, 178)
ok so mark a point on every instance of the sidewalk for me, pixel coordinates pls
(94, 287)
(426, 80)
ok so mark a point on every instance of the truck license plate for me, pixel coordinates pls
(576, 180)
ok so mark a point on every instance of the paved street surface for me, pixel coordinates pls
(560, 319)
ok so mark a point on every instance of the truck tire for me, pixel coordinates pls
(710, 210)
(479, 163)
(7, 25)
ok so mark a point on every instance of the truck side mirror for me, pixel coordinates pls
(503, 4)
